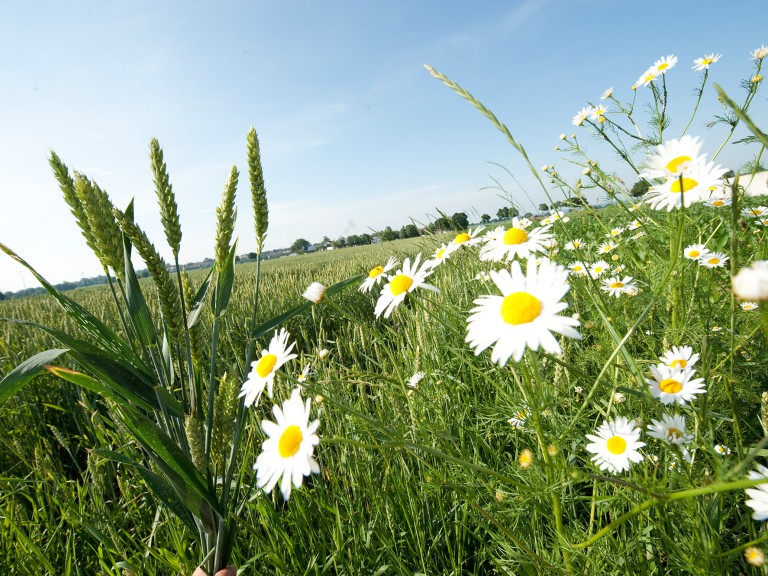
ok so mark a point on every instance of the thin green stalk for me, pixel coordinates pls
(698, 101)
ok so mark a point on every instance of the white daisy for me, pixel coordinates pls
(404, 281)
(264, 369)
(670, 430)
(646, 78)
(614, 232)
(695, 251)
(705, 62)
(760, 53)
(518, 420)
(672, 158)
(606, 247)
(664, 63)
(287, 452)
(615, 445)
(526, 313)
(694, 185)
(617, 286)
(598, 269)
(674, 384)
(442, 254)
(582, 115)
(315, 292)
(607, 93)
(470, 237)
(722, 450)
(752, 283)
(575, 244)
(598, 113)
(749, 306)
(376, 274)
(713, 260)
(679, 357)
(504, 245)
(720, 201)
(634, 225)
(755, 211)
(758, 496)
(578, 268)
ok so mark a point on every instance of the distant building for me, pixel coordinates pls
(756, 185)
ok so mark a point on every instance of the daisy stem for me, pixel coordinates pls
(698, 101)
(557, 510)
(732, 262)
(714, 488)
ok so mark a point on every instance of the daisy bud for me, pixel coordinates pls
(752, 283)
(544, 168)
(586, 171)
(552, 450)
(563, 136)
(525, 459)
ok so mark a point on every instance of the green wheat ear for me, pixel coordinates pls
(106, 233)
(226, 214)
(169, 211)
(258, 191)
(67, 185)
(170, 303)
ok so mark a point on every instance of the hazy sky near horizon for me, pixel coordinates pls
(355, 134)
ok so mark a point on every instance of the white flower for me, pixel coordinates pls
(722, 450)
(679, 357)
(758, 500)
(674, 385)
(404, 281)
(470, 237)
(575, 244)
(287, 453)
(582, 115)
(615, 445)
(315, 292)
(760, 53)
(506, 244)
(263, 370)
(752, 283)
(749, 306)
(664, 63)
(606, 247)
(646, 78)
(705, 62)
(607, 93)
(720, 201)
(518, 420)
(415, 379)
(376, 274)
(713, 260)
(695, 251)
(617, 286)
(755, 211)
(526, 313)
(670, 429)
(672, 158)
(598, 269)
(578, 268)
(442, 254)
(695, 184)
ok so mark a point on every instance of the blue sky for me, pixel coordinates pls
(355, 134)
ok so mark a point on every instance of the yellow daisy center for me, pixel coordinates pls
(599, 269)
(289, 442)
(375, 271)
(400, 284)
(718, 203)
(616, 445)
(670, 386)
(520, 308)
(694, 253)
(266, 365)
(461, 238)
(663, 66)
(687, 185)
(674, 433)
(440, 253)
(681, 362)
(617, 285)
(713, 261)
(515, 236)
(578, 268)
(674, 164)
